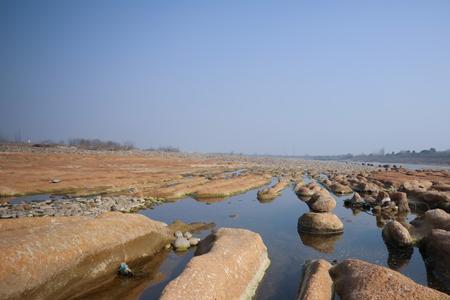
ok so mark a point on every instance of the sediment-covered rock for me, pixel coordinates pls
(320, 223)
(55, 256)
(231, 269)
(317, 283)
(355, 280)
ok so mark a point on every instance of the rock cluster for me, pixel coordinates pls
(78, 206)
(184, 241)
(320, 220)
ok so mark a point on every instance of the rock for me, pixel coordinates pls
(437, 219)
(178, 234)
(355, 280)
(187, 235)
(376, 210)
(316, 283)
(321, 203)
(338, 188)
(304, 192)
(320, 223)
(55, 180)
(357, 198)
(181, 244)
(231, 269)
(59, 250)
(193, 241)
(401, 200)
(436, 252)
(395, 234)
(414, 185)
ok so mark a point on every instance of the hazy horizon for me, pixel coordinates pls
(252, 77)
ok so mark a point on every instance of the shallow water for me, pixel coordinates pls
(276, 222)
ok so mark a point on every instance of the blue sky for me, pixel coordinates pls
(282, 77)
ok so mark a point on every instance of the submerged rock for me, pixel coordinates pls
(355, 280)
(231, 268)
(317, 283)
(320, 223)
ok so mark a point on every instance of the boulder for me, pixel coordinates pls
(357, 199)
(401, 200)
(52, 257)
(320, 223)
(231, 269)
(321, 203)
(436, 252)
(395, 234)
(437, 219)
(316, 283)
(355, 280)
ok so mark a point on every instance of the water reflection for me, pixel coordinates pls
(321, 243)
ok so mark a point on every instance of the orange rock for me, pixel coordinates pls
(317, 283)
(56, 256)
(231, 269)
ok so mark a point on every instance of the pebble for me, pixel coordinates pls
(78, 206)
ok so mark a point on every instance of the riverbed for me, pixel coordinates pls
(276, 222)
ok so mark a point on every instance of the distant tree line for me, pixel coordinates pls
(97, 144)
(405, 156)
(164, 149)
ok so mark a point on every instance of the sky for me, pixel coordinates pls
(279, 77)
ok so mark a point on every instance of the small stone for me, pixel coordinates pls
(55, 180)
(181, 244)
(193, 241)
(178, 234)
(187, 235)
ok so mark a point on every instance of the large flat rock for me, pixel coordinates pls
(231, 269)
(54, 257)
(355, 279)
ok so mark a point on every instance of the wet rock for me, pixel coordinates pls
(436, 252)
(321, 202)
(187, 235)
(317, 283)
(181, 244)
(397, 235)
(401, 200)
(320, 223)
(231, 269)
(178, 234)
(355, 279)
(59, 250)
(437, 219)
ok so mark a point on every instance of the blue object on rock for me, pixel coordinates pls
(125, 270)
